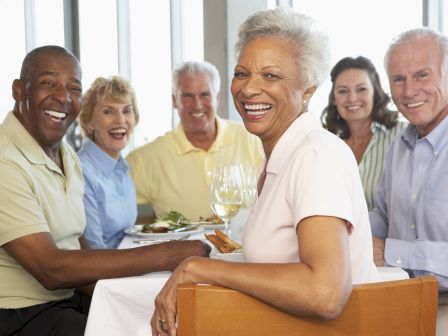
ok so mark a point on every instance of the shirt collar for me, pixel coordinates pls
(184, 146)
(28, 146)
(23, 140)
(375, 126)
(287, 143)
(103, 161)
(437, 137)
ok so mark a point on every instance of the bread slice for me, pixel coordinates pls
(223, 243)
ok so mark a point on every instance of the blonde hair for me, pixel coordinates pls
(114, 88)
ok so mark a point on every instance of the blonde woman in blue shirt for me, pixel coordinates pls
(357, 112)
(108, 116)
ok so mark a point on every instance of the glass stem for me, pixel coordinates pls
(227, 227)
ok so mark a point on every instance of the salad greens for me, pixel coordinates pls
(170, 221)
(172, 216)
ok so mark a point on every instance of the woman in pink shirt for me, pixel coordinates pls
(308, 237)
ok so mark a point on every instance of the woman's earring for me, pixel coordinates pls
(305, 105)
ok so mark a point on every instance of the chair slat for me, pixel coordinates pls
(404, 307)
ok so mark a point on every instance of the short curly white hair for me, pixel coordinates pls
(313, 47)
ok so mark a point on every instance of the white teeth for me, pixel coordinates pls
(59, 115)
(198, 115)
(256, 112)
(257, 106)
(353, 108)
(118, 130)
(415, 104)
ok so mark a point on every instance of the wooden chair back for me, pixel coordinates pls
(404, 307)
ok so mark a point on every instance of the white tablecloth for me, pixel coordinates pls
(125, 306)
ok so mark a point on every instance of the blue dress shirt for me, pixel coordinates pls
(109, 196)
(411, 210)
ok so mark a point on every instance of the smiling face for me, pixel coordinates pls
(418, 88)
(196, 103)
(48, 99)
(112, 123)
(266, 88)
(353, 96)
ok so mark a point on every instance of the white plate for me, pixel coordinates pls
(208, 225)
(167, 235)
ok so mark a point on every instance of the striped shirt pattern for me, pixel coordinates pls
(372, 162)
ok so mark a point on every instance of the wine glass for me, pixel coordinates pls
(226, 193)
(250, 179)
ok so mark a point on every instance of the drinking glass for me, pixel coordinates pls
(250, 178)
(226, 193)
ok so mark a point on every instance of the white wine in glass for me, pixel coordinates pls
(226, 193)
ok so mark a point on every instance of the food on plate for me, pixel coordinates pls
(223, 243)
(170, 221)
(212, 220)
(172, 216)
(176, 221)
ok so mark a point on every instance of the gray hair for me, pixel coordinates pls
(313, 50)
(196, 68)
(416, 34)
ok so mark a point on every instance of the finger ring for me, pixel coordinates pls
(162, 324)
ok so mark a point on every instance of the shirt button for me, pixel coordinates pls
(398, 261)
(413, 226)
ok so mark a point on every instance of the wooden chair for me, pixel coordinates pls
(403, 307)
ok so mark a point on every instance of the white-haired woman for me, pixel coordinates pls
(308, 237)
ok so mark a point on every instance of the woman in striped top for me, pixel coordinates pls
(357, 112)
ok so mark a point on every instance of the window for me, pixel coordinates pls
(98, 39)
(192, 30)
(45, 26)
(49, 22)
(150, 53)
(359, 28)
(152, 56)
(151, 67)
(12, 38)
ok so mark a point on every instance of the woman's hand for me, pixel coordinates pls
(163, 321)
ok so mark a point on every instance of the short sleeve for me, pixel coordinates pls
(319, 186)
(20, 211)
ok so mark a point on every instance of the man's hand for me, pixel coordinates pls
(378, 251)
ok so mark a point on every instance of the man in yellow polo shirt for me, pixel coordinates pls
(43, 254)
(174, 171)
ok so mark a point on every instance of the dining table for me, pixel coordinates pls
(124, 306)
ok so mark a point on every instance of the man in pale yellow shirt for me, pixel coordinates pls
(174, 171)
(43, 253)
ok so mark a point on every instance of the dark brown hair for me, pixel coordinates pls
(332, 121)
